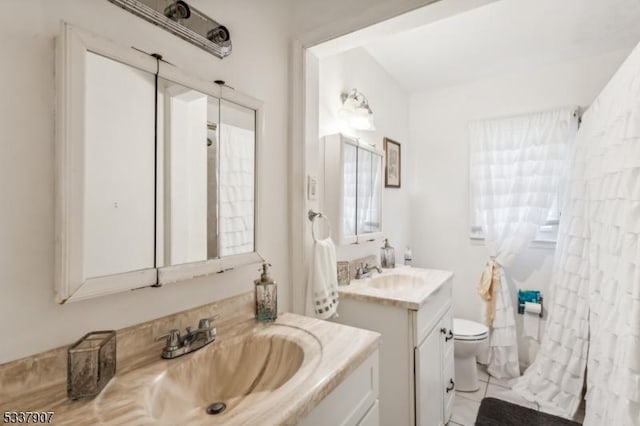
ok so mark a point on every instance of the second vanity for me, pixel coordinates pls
(411, 308)
(298, 370)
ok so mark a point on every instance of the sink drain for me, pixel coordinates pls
(216, 408)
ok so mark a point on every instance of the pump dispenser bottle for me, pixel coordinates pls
(266, 296)
(408, 257)
(387, 255)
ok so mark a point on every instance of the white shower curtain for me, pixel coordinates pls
(594, 314)
(517, 165)
(236, 205)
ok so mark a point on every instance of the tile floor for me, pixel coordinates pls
(466, 404)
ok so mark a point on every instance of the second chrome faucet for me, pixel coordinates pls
(365, 270)
(177, 345)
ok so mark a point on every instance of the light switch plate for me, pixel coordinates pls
(312, 188)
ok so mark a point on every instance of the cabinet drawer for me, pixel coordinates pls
(431, 312)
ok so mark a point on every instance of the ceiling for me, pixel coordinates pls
(504, 36)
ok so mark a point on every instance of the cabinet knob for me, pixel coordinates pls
(451, 386)
(449, 336)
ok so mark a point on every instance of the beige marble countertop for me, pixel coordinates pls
(325, 355)
(404, 287)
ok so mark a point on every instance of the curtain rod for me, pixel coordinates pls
(577, 112)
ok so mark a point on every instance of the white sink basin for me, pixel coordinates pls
(399, 281)
(403, 287)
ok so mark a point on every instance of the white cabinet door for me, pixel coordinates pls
(372, 418)
(352, 402)
(105, 145)
(448, 370)
(429, 396)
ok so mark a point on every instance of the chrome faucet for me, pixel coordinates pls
(178, 345)
(364, 271)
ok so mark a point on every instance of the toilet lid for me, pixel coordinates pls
(469, 330)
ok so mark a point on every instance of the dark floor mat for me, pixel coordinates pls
(496, 412)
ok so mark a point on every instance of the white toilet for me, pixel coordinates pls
(470, 338)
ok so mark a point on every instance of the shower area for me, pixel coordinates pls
(592, 338)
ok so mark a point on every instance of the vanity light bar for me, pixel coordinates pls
(181, 30)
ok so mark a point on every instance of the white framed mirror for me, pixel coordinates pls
(355, 168)
(155, 171)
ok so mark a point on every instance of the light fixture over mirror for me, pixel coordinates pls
(184, 21)
(356, 111)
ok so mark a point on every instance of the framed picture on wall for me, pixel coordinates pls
(392, 171)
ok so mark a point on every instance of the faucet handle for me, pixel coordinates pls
(173, 339)
(205, 326)
(205, 323)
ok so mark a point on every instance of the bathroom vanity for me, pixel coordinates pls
(297, 370)
(411, 308)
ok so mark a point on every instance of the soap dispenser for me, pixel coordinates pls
(408, 256)
(387, 255)
(266, 296)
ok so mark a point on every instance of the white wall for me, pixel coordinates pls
(29, 318)
(439, 170)
(390, 104)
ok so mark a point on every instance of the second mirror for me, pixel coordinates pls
(206, 176)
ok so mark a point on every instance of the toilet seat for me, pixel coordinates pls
(469, 330)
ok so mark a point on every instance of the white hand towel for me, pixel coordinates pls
(322, 286)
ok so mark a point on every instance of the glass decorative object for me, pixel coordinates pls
(266, 296)
(91, 363)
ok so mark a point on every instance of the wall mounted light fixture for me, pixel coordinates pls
(356, 111)
(184, 21)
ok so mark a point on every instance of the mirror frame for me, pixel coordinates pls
(71, 284)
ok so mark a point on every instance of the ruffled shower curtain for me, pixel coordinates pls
(594, 314)
(517, 166)
(236, 204)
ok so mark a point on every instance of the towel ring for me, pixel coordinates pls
(312, 217)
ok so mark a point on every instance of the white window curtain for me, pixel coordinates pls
(236, 190)
(517, 166)
(594, 309)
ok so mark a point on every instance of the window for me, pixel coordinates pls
(518, 166)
